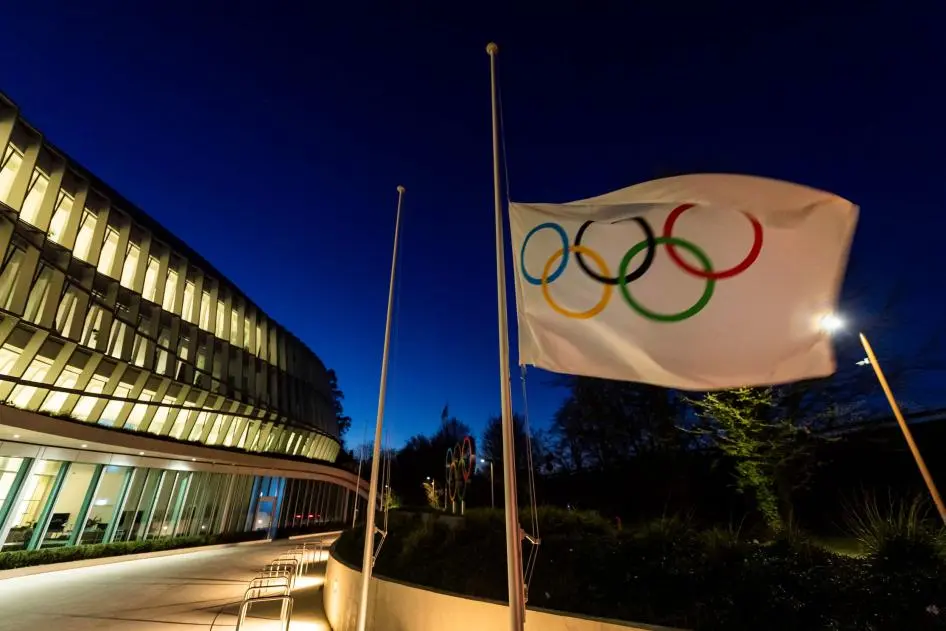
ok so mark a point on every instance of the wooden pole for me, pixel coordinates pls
(930, 484)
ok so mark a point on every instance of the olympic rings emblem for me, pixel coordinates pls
(624, 277)
(460, 463)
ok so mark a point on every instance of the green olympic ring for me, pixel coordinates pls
(698, 306)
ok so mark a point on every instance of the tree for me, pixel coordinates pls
(424, 457)
(772, 452)
(491, 446)
(604, 423)
(342, 421)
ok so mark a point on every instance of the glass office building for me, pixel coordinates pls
(141, 393)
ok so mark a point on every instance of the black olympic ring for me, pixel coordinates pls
(632, 276)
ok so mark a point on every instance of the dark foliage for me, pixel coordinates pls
(341, 419)
(23, 558)
(667, 573)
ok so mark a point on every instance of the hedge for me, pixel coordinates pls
(27, 558)
(667, 573)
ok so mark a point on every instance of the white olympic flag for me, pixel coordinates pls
(697, 282)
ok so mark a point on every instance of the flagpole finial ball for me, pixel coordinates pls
(400, 189)
(492, 48)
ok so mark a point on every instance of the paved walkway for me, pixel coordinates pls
(177, 593)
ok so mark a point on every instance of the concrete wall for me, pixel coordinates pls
(394, 606)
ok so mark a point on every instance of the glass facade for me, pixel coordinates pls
(106, 318)
(48, 503)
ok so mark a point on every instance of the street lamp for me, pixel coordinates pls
(433, 487)
(492, 495)
(830, 323)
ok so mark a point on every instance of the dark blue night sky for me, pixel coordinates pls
(271, 138)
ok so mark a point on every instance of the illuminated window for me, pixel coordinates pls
(117, 339)
(137, 413)
(34, 496)
(215, 430)
(151, 279)
(234, 327)
(109, 249)
(205, 311)
(259, 341)
(181, 420)
(246, 333)
(34, 197)
(246, 431)
(84, 407)
(231, 432)
(130, 266)
(84, 238)
(161, 416)
(67, 311)
(164, 360)
(57, 399)
(139, 353)
(201, 357)
(93, 324)
(21, 395)
(60, 216)
(114, 408)
(9, 165)
(187, 310)
(38, 294)
(182, 346)
(9, 275)
(9, 467)
(170, 288)
(198, 428)
(8, 357)
(221, 318)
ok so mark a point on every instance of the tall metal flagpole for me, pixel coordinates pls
(368, 559)
(361, 457)
(513, 532)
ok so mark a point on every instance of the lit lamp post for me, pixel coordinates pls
(831, 324)
(492, 495)
(433, 487)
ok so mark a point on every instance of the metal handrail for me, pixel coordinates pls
(285, 614)
(281, 582)
(288, 567)
(280, 574)
(283, 591)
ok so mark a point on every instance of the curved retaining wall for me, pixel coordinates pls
(396, 606)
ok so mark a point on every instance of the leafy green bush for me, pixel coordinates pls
(24, 558)
(665, 572)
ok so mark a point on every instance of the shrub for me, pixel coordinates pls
(898, 530)
(28, 558)
(665, 572)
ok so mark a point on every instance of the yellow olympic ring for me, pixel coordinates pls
(602, 266)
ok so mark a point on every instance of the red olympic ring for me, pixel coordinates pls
(466, 448)
(726, 273)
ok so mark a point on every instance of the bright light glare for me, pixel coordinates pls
(830, 323)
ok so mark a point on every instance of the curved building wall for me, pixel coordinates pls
(107, 318)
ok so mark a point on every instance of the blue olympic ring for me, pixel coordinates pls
(532, 280)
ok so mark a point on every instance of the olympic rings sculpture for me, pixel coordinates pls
(460, 463)
(625, 277)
